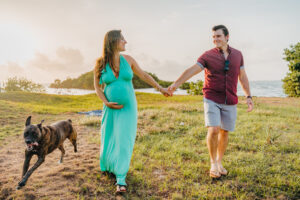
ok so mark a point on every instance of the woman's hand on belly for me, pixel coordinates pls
(114, 105)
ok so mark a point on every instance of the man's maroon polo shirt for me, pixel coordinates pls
(220, 86)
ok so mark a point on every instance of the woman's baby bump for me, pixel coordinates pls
(118, 93)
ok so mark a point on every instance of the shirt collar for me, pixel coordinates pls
(221, 51)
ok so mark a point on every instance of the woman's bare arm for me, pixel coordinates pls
(145, 77)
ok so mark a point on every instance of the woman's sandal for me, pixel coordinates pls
(214, 174)
(121, 189)
(223, 171)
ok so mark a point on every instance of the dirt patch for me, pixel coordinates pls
(77, 175)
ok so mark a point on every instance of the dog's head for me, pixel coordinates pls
(32, 134)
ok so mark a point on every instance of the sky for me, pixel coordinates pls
(46, 40)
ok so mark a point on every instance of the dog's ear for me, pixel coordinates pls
(40, 124)
(28, 121)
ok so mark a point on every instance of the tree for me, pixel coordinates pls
(56, 84)
(22, 84)
(196, 88)
(291, 83)
(86, 81)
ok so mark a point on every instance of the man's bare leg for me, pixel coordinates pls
(212, 145)
(222, 145)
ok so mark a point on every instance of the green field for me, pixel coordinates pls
(170, 158)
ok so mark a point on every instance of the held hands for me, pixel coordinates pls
(172, 88)
(250, 104)
(114, 105)
(164, 91)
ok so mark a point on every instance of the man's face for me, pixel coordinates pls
(219, 38)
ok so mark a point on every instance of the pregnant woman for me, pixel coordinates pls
(119, 120)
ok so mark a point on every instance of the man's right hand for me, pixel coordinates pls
(172, 88)
(114, 105)
(165, 92)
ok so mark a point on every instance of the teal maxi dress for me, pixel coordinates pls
(118, 126)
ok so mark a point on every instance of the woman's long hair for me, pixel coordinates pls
(110, 43)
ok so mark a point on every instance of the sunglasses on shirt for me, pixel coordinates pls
(226, 67)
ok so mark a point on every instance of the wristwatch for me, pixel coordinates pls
(249, 97)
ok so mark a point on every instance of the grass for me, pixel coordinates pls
(170, 158)
(51, 104)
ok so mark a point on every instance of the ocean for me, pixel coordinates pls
(264, 89)
(258, 88)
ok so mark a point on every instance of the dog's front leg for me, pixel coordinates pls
(40, 160)
(28, 156)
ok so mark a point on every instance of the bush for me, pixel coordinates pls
(86, 81)
(22, 84)
(196, 88)
(56, 84)
(291, 83)
(185, 86)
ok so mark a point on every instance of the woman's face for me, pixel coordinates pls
(121, 44)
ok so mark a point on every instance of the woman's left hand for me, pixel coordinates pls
(165, 92)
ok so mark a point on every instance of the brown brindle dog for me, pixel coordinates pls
(42, 140)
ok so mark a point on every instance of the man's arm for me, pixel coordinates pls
(186, 75)
(246, 88)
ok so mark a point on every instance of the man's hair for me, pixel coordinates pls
(225, 30)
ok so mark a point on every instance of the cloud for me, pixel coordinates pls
(66, 60)
(15, 68)
(168, 70)
(11, 69)
(147, 60)
(41, 61)
(70, 56)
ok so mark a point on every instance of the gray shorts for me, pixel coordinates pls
(222, 115)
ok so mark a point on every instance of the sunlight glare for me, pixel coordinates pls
(17, 43)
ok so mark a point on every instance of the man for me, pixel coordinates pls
(223, 67)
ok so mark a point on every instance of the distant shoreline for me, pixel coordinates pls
(258, 88)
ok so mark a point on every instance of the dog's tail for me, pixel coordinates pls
(69, 120)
